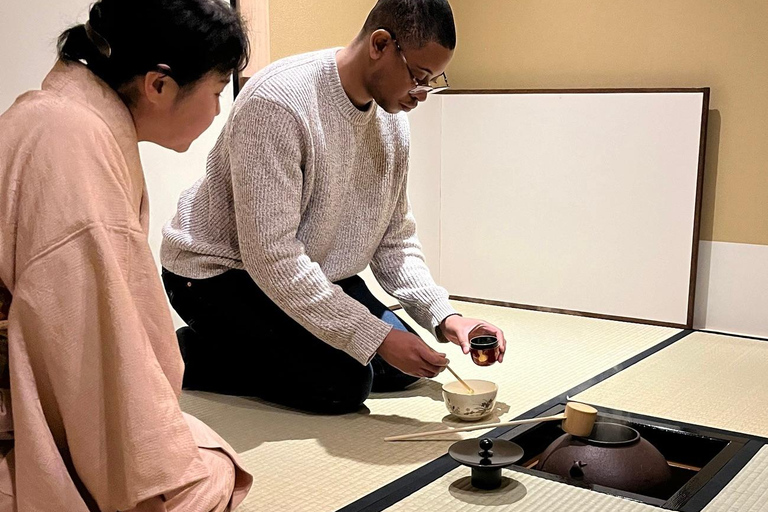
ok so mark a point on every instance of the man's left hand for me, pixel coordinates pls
(459, 330)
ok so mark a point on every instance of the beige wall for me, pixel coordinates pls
(298, 26)
(607, 43)
(648, 43)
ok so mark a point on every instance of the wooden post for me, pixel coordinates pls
(256, 16)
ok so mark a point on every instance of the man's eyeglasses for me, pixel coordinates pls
(436, 84)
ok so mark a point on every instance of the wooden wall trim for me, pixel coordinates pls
(448, 92)
(489, 302)
(255, 13)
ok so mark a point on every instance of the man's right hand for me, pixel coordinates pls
(409, 354)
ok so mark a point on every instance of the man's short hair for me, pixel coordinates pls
(414, 23)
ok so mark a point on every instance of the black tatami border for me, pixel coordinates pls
(406, 485)
(733, 467)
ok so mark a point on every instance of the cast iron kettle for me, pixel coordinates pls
(613, 456)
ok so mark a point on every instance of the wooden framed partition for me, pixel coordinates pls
(584, 202)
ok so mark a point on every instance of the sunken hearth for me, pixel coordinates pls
(695, 458)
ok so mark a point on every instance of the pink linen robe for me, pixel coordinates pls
(95, 368)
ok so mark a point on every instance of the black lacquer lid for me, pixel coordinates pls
(486, 453)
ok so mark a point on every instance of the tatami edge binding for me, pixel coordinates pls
(406, 485)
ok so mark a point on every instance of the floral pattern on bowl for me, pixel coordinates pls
(470, 407)
(478, 412)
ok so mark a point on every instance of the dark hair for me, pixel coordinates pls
(127, 38)
(414, 22)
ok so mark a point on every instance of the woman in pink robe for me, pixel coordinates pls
(94, 365)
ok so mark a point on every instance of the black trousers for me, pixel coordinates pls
(239, 342)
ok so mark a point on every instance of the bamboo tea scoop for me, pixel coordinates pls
(471, 391)
(578, 420)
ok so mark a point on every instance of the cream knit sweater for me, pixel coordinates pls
(303, 189)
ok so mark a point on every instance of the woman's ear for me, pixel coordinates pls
(158, 87)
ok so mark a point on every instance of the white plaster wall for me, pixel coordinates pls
(732, 288)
